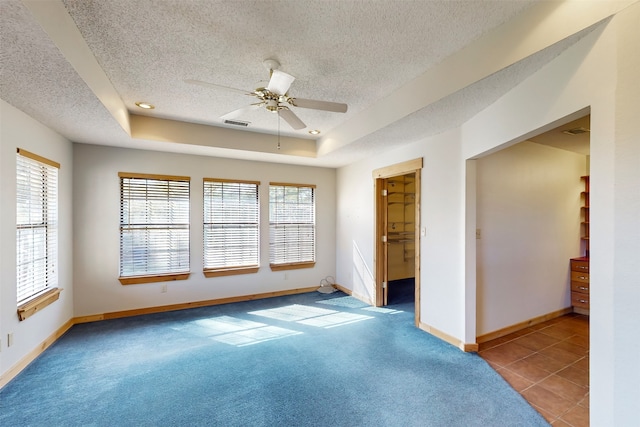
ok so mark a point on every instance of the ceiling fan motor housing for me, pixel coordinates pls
(272, 105)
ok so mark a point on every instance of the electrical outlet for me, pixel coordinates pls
(9, 339)
(478, 233)
(164, 288)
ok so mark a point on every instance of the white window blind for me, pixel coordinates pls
(154, 225)
(292, 223)
(231, 224)
(37, 225)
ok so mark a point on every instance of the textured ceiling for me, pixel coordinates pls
(355, 52)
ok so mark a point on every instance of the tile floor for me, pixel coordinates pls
(548, 364)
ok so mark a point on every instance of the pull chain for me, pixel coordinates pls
(278, 130)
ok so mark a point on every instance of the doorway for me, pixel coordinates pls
(531, 209)
(397, 234)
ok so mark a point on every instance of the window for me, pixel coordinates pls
(154, 228)
(291, 226)
(231, 220)
(36, 231)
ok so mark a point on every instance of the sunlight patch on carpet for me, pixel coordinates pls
(311, 316)
(234, 331)
(349, 302)
(293, 313)
(333, 320)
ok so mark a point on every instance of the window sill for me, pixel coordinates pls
(292, 266)
(136, 280)
(30, 308)
(230, 271)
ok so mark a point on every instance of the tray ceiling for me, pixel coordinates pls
(79, 67)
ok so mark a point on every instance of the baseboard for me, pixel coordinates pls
(31, 356)
(522, 325)
(466, 347)
(343, 289)
(187, 305)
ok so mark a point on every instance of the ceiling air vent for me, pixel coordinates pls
(237, 123)
(576, 131)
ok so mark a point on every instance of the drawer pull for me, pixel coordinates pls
(582, 277)
(584, 301)
(583, 288)
(583, 267)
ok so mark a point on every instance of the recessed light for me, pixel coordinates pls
(145, 105)
(314, 132)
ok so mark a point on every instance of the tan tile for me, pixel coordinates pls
(536, 341)
(493, 343)
(557, 320)
(546, 414)
(547, 400)
(520, 333)
(583, 363)
(516, 381)
(577, 417)
(579, 325)
(544, 362)
(505, 353)
(528, 370)
(557, 331)
(538, 327)
(560, 355)
(572, 348)
(559, 423)
(584, 402)
(575, 375)
(565, 388)
(580, 340)
(504, 339)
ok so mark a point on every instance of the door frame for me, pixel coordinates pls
(380, 259)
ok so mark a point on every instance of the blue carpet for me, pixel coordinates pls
(300, 360)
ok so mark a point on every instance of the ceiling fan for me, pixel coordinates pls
(275, 97)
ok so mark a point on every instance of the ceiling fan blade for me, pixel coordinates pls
(240, 111)
(290, 117)
(335, 107)
(215, 86)
(280, 82)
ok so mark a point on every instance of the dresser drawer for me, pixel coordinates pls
(579, 299)
(580, 287)
(578, 265)
(578, 276)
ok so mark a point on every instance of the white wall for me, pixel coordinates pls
(598, 74)
(96, 237)
(622, 297)
(20, 131)
(528, 214)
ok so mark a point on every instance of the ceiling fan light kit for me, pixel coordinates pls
(275, 97)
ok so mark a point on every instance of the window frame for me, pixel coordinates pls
(46, 291)
(209, 224)
(290, 264)
(153, 277)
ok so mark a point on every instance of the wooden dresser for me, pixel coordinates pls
(580, 285)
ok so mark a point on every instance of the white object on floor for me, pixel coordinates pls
(326, 285)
